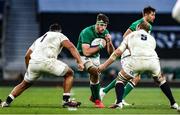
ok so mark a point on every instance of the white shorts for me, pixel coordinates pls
(90, 61)
(136, 66)
(50, 66)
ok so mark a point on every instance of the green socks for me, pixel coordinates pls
(110, 86)
(95, 90)
(127, 89)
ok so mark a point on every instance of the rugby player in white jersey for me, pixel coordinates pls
(142, 58)
(41, 58)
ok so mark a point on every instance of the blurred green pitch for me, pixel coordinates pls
(47, 100)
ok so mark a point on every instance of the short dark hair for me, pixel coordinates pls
(148, 10)
(102, 17)
(144, 25)
(55, 27)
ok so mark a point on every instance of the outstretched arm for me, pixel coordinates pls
(69, 45)
(117, 53)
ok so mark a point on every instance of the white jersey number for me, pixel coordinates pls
(143, 37)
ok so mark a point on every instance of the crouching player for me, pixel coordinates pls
(41, 57)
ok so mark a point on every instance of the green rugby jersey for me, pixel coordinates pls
(134, 25)
(87, 35)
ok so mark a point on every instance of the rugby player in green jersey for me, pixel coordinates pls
(148, 16)
(90, 53)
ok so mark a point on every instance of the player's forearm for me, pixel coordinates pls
(91, 51)
(117, 53)
(108, 62)
(110, 48)
(75, 54)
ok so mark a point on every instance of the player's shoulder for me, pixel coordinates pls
(137, 22)
(57, 34)
(141, 31)
(137, 33)
(88, 30)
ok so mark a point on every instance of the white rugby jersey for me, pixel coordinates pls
(140, 44)
(47, 46)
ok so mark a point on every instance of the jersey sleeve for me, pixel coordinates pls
(133, 26)
(62, 37)
(85, 37)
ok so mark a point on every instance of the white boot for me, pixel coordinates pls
(4, 104)
(175, 106)
(124, 103)
(101, 93)
(117, 106)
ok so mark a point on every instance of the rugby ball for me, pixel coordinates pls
(97, 41)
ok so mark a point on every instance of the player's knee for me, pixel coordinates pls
(94, 80)
(136, 80)
(69, 73)
(93, 72)
(121, 78)
(160, 80)
(94, 75)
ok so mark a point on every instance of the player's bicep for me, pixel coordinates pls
(67, 44)
(85, 37)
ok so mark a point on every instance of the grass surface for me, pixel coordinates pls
(43, 100)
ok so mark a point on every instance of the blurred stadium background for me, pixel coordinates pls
(22, 21)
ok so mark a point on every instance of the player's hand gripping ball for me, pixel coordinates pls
(99, 42)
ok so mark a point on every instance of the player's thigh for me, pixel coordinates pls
(129, 67)
(155, 67)
(88, 63)
(125, 61)
(56, 67)
(123, 76)
(33, 72)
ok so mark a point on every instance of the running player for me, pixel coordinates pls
(90, 54)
